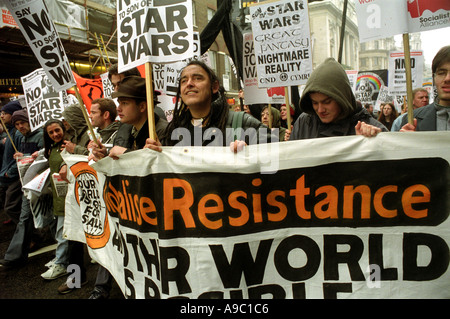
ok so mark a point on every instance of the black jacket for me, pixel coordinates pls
(125, 138)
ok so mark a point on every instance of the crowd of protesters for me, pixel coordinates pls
(328, 108)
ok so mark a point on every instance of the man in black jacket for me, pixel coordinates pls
(132, 111)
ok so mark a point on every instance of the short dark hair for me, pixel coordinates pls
(114, 70)
(107, 105)
(443, 56)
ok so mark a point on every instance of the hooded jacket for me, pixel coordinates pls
(329, 78)
(79, 129)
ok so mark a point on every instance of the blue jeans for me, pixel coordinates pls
(62, 247)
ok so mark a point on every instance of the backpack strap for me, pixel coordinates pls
(237, 124)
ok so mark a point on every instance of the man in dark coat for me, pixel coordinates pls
(329, 107)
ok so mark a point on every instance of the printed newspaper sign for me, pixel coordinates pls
(43, 101)
(205, 223)
(368, 85)
(37, 27)
(253, 94)
(157, 31)
(397, 72)
(282, 43)
(172, 71)
(352, 77)
(7, 19)
(383, 98)
(424, 15)
(378, 19)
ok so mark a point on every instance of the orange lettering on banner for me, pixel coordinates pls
(300, 192)
(272, 201)
(378, 201)
(182, 204)
(349, 192)
(146, 207)
(234, 203)
(327, 208)
(240, 208)
(408, 199)
(204, 210)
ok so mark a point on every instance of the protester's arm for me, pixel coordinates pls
(409, 127)
(63, 172)
(17, 155)
(153, 145)
(116, 151)
(98, 151)
(237, 146)
(366, 130)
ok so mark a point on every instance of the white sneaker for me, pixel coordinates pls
(51, 262)
(54, 271)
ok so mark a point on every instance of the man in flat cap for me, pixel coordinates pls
(132, 110)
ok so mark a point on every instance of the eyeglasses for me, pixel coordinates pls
(441, 73)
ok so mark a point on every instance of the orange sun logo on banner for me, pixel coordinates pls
(93, 216)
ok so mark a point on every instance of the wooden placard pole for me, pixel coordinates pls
(85, 114)
(9, 136)
(270, 115)
(288, 107)
(150, 104)
(409, 96)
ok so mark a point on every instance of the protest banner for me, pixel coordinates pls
(42, 100)
(331, 220)
(282, 43)
(397, 71)
(37, 27)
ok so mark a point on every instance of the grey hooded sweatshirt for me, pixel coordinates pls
(329, 78)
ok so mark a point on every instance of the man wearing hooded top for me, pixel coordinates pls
(329, 107)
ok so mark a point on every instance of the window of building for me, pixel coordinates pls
(211, 13)
(213, 60)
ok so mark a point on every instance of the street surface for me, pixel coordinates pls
(26, 282)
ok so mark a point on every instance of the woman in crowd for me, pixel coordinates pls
(388, 114)
(54, 134)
